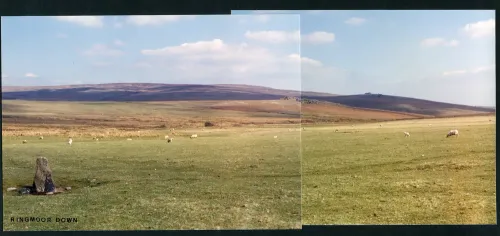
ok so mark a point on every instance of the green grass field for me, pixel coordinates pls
(369, 174)
(232, 179)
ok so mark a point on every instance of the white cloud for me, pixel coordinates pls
(220, 62)
(318, 37)
(355, 21)
(102, 50)
(482, 68)
(119, 42)
(475, 70)
(274, 36)
(87, 21)
(480, 29)
(432, 42)
(304, 60)
(154, 20)
(62, 36)
(454, 72)
(30, 75)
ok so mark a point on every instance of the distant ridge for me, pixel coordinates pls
(148, 92)
(403, 104)
(142, 92)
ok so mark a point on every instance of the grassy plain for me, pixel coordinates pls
(372, 174)
(227, 178)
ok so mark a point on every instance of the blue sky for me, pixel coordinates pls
(149, 49)
(438, 55)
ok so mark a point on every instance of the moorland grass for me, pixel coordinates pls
(369, 174)
(229, 180)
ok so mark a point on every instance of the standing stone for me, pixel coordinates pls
(43, 182)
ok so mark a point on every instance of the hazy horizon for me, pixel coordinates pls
(411, 53)
(240, 85)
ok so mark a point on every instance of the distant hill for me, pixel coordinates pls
(403, 104)
(142, 92)
(148, 92)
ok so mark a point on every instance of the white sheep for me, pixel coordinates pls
(407, 134)
(452, 132)
(194, 136)
(166, 136)
(24, 141)
(70, 141)
(41, 137)
(129, 139)
(275, 136)
(169, 140)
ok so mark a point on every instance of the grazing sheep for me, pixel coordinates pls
(129, 139)
(70, 141)
(169, 140)
(166, 136)
(24, 141)
(194, 136)
(96, 139)
(41, 137)
(407, 134)
(452, 132)
(275, 136)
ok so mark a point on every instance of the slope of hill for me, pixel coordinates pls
(148, 92)
(403, 104)
(368, 106)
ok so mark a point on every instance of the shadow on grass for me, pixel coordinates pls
(63, 183)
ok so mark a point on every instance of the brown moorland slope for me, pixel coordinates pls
(120, 92)
(405, 104)
(129, 105)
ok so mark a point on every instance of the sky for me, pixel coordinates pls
(219, 49)
(446, 56)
